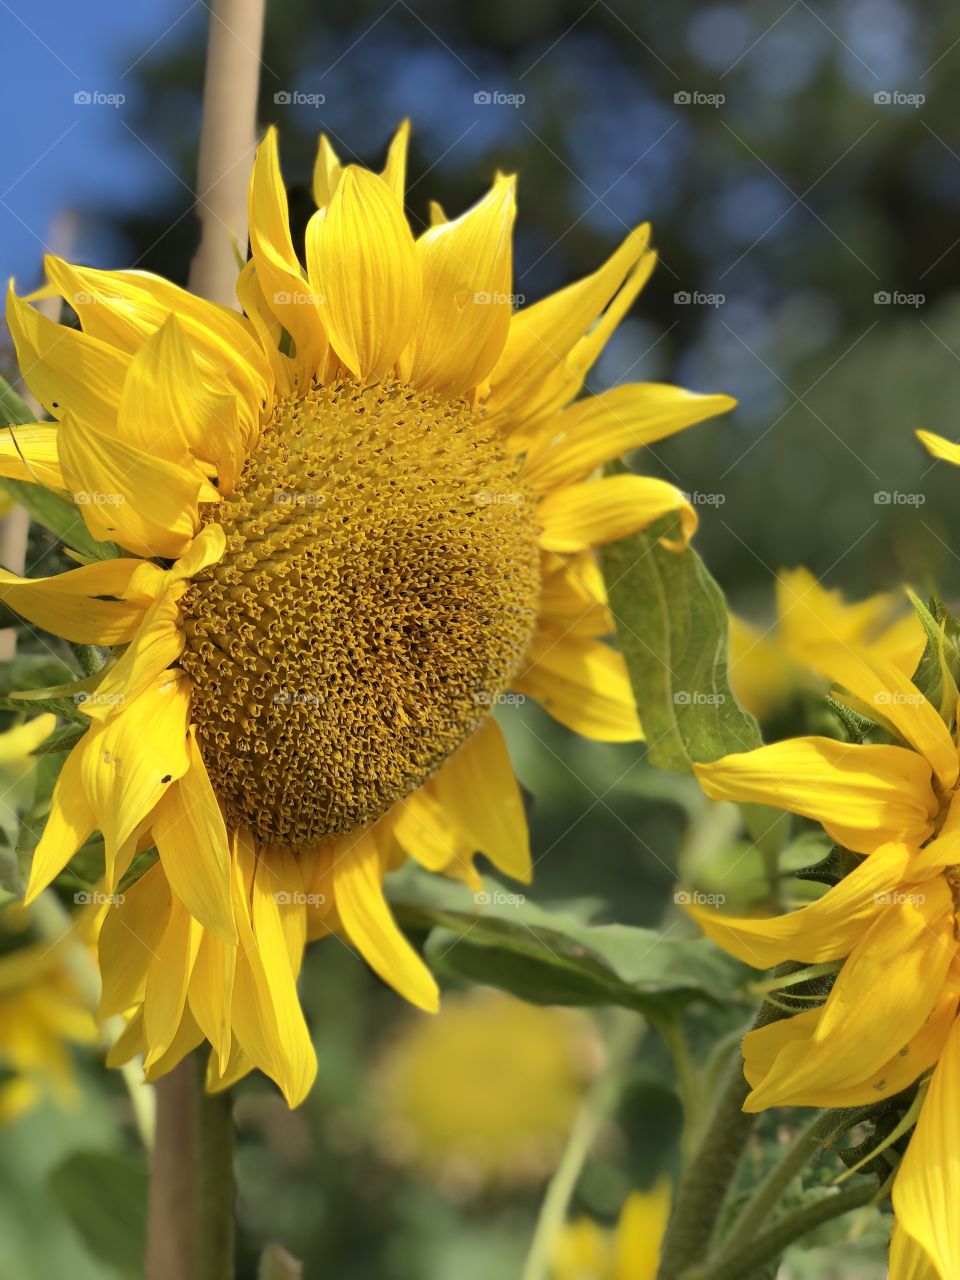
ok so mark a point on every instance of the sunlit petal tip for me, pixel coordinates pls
(940, 447)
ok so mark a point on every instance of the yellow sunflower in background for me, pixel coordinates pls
(586, 1251)
(484, 1094)
(770, 666)
(355, 515)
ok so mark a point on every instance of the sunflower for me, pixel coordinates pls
(485, 1094)
(769, 667)
(586, 1251)
(355, 515)
(889, 930)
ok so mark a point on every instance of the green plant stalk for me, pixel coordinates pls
(706, 1182)
(771, 1244)
(801, 1151)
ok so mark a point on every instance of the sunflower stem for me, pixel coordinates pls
(173, 1207)
(765, 1248)
(217, 1185)
(706, 1181)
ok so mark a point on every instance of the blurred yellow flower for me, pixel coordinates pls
(586, 1251)
(353, 517)
(486, 1092)
(768, 668)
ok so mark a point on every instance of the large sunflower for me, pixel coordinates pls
(357, 514)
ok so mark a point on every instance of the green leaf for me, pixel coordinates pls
(49, 509)
(672, 623)
(32, 683)
(104, 1196)
(501, 939)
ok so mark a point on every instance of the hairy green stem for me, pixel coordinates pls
(217, 1185)
(771, 1244)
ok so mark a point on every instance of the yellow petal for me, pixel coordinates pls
(643, 1221)
(146, 504)
(573, 597)
(166, 408)
(187, 1037)
(211, 994)
(326, 172)
(130, 940)
(71, 820)
(572, 445)
(29, 452)
(22, 740)
(598, 511)
(880, 1000)
(542, 336)
(480, 792)
(825, 930)
(69, 604)
(888, 693)
(761, 1050)
(123, 308)
(395, 170)
(864, 796)
(427, 831)
(927, 1188)
(908, 1260)
(583, 683)
(939, 447)
(191, 838)
(361, 256)
(167, 981)
(67, 371)
(467, 271)
(285, 289)
(156, 646)
(130, 759)
(369, 923)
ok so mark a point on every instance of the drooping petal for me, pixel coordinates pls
(478, 788)
(939, 447)
(927, 1188)
(864, 796)
(191, 838)
(70, 822)
(211, 993)
(157, 645)
(168, 977)
(362, 261)
(369, 924)
(573, 597)
(583, 683)
(572, 445)
(129, 941)
(825, 930)
(130, 759)
(28, 452)
(70, 604)
(467, 272)
(908, 1259)
(597, 511)
(145, 503)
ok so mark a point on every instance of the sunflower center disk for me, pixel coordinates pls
(378, 591)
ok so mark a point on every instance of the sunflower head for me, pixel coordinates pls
(352, 516)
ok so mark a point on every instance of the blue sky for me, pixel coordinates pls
(60, 153)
